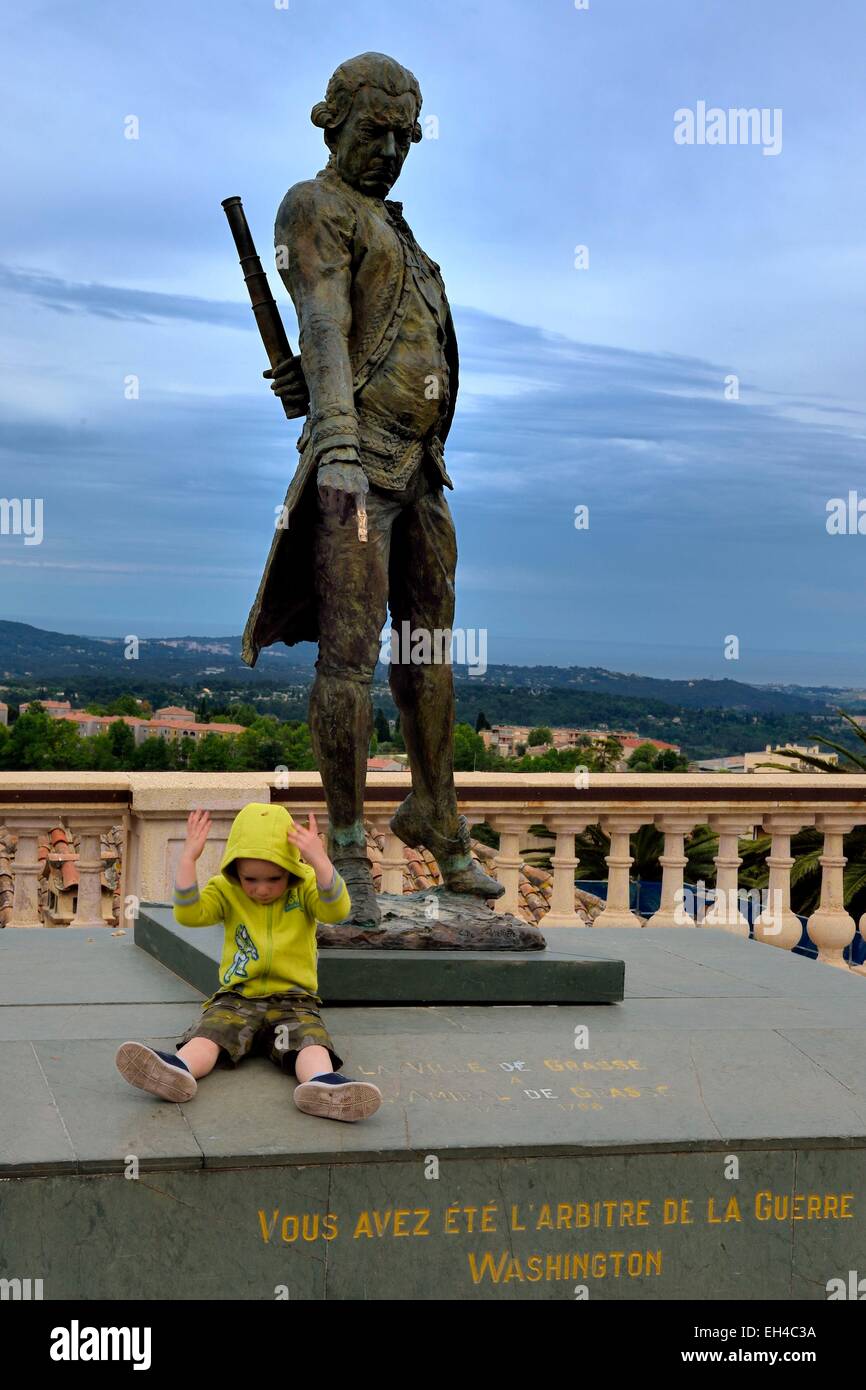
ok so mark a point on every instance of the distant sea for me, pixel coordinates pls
(756, 665)
(761, 666)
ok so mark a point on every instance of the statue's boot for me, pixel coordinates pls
(350, 857)
(460, 872)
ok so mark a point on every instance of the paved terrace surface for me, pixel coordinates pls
(719, 1042)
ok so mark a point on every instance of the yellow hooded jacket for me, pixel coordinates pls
(270, 948)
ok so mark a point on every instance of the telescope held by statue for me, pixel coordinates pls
(267, 315)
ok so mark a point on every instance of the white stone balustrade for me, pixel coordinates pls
(563, 861)
(153, 809)
(86, 827)
(777, 924)
(508, 861)
(725, 912)
(87, 805)
(617, 912)
(392, 855)
(671, 912)
(27, 867)
(831, 927)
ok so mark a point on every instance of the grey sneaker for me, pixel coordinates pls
(337, 1097)
(156, 1072)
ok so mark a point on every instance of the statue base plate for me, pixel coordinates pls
(434, 919)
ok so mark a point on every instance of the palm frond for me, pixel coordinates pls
(840, 747)
(806, 865)
(823, 764)
(858, 728)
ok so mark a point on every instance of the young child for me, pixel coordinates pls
(269, 899)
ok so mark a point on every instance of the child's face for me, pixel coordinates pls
(261, 880)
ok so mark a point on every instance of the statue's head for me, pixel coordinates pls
(370, 118)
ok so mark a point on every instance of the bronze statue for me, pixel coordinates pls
(377, 380)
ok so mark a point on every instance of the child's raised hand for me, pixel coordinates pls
(197, 830)
(307, 840)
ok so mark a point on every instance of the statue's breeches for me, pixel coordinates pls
(406, 565)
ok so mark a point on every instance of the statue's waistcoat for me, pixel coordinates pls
(372, 310)
(401, 344)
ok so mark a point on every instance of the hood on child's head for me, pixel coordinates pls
(259, 832)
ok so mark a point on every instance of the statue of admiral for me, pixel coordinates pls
(376, 378)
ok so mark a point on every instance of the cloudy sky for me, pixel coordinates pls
(602, 387)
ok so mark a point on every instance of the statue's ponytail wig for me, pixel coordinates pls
(367, 70)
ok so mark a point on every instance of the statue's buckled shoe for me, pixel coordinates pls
(353, 866)
(460, 872)
(407, 824)
(471, 879)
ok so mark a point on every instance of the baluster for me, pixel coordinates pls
(88, 907)
(671, 912)
(123, 877)
(778, 925)
(508, 861)
(725, 911)
(617, 912)
(830, 926)
(27, 868)
(392, 860)
(564, 862)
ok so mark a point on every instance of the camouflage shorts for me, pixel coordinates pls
(274, 1025)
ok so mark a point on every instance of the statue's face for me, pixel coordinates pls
(373, 141)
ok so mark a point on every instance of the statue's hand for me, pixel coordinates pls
(340, 485)
(288, 382)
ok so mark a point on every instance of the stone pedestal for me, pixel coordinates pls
(566, 1152)
(434, 919)
(413, 961)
